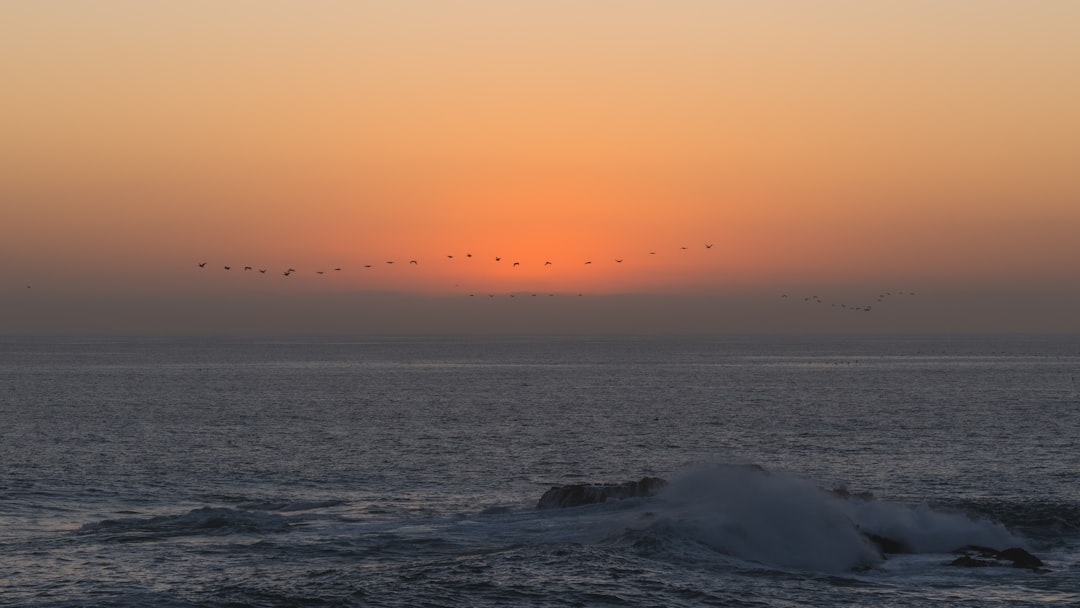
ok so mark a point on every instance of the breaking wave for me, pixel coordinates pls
(786, 521)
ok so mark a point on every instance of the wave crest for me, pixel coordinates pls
(203, 521)
(787, 521)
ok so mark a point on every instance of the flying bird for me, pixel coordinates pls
(414, 262)
(262, 270)
(202, 264)
(498, 259)
(547, 263)
(619, 260)
(247, 267)
(589, 262)
(516, 264)
(708, 245)
(228, 268)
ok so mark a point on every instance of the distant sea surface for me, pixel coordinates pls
(406, 471)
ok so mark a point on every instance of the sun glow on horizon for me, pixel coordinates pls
(841, 144)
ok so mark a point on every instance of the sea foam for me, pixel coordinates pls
(788, 521)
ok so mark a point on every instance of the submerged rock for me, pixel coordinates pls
(966, 561)
(981, 557)
(578, 494)
(1020, 558)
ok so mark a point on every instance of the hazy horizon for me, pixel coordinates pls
(934, 311)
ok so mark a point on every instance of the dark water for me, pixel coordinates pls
(405, 472)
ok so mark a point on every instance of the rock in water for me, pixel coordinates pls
(1013, 556)
(578, 494)
(1020, 558)
(966, 561)
(887, 545)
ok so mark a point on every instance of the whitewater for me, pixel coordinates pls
(406, 471)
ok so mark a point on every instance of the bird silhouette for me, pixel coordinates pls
(882, 297)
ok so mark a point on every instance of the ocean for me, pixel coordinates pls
(406, 471)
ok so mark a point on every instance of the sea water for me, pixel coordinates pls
(405, 471)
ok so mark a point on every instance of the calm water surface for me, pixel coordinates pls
(405, 471)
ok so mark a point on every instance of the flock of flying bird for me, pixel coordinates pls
(882, 297)
(415, 262)
(287, 272)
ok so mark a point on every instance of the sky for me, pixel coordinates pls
(757, 167)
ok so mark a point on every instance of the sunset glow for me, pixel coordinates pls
(842, 145)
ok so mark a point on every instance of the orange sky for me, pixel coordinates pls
(843, 147)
